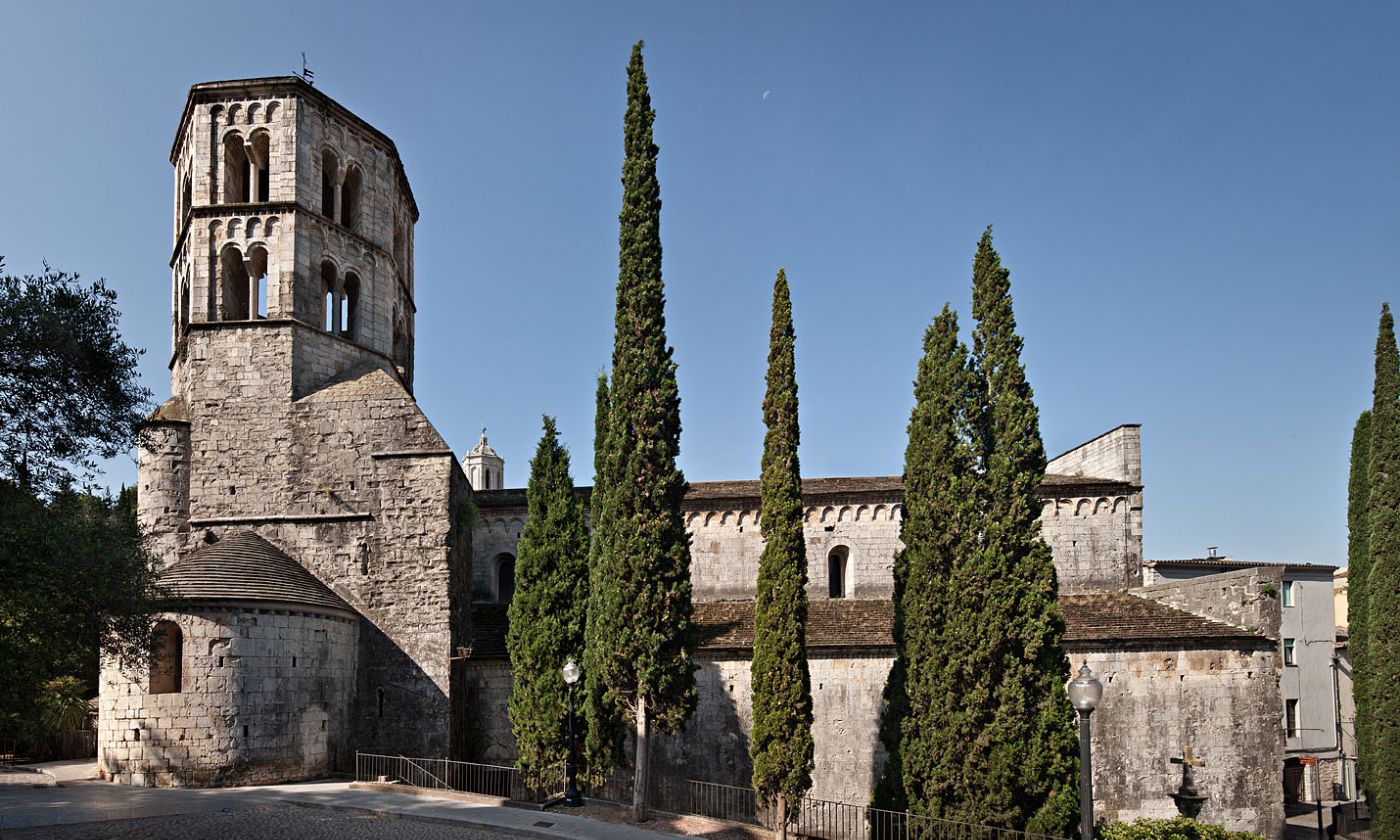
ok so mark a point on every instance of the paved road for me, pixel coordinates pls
(329, 809)
(271, 822)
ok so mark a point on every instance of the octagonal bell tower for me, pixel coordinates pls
(293, 220)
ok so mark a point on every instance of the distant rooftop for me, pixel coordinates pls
(1232, 563)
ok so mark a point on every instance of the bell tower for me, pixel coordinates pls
(294, 230)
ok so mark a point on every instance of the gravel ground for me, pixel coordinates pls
(287, 822)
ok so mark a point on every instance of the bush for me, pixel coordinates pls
(1176, 828)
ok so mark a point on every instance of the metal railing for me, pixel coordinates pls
(462, 776)
(813, 818)
(721, 802)
(829, 820)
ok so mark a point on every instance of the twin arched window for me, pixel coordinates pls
(340, 190)
(167, 658)
(341, 298)
(247, 176)
(242, 286)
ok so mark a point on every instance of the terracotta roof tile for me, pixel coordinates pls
(1122, 617)
(728, 625)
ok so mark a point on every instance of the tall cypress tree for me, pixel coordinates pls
(603, 742)
(1358, 573)
(924, 725)
(781, 744)
(547, 612)
(1026, 761)
(640, 609)
(1381, 681)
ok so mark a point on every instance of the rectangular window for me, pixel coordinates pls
(1288, 593)
(1290, 718)
(1290, 657)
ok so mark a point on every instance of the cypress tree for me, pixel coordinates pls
(1381, 681)
(1358, 571)
(781, 744)
(547, 612)
(640, 609)
(1026, 762)
(603, 742)
(924, 727)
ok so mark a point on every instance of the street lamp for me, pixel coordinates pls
(571, 797)
(1084, 694)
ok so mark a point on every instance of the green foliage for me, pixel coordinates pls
(1176, 828)
(75, 584)
(1358, 574)
(1381, 660)
(603, 742)
(65, 704)
(642, 646)
(547, 612)
(988, 734)
(69, 392)
(920, 726)
(781, 744)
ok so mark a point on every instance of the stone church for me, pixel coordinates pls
(330, 591)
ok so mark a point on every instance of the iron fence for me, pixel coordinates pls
(820, 819)
(463, 776)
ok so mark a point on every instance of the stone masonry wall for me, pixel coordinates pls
(353, 482)
(1096, 539)
(266, 695)
(1247, 598)
(1114, 455)
(714, 746)
(1223, 703)
(1096, 543)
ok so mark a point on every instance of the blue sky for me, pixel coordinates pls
(1197, 202)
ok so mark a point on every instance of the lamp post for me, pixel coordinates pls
(571, 797)
(1084, 694)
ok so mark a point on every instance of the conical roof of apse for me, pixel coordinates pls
(246, 567)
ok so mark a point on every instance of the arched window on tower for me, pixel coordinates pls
(838, 568)
(330, 313)
(400, 343)
(167, 657)
(350, 198)
(184, 304)
(186, 199)
(505, 578)
(350, 305)
(257, 259)
(235, 170)
(398, 248)
(261, 165)
(233, 286)
(330, 168)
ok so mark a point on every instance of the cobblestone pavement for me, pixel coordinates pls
(271, 822)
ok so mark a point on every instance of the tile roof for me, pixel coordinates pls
(1231, 563)
(728, 625)
(705, 492)
(246, 567)
(1123, 617)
